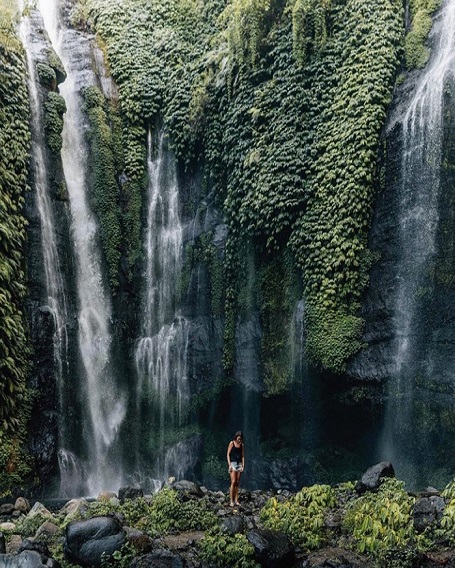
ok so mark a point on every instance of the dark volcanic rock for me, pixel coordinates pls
(86, 541)
(272, 549)
(371, 479)
(233, 525)
(129, 493)
(39, 547)
(427, 510)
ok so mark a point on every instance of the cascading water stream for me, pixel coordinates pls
(422, 137)
(55, 294)
(161, 353)
(106, 405)
(56, 300)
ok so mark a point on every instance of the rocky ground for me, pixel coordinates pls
(34, 537)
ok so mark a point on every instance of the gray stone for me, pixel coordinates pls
(22, 505)
(129, 492)
(427, 510)
(47, 529)
(188, 487)
(6, 509)
(371, 479)
(233, 524)
(87, 541)
(27, 559)
(14, 543)
(36, 546)
(273, 549)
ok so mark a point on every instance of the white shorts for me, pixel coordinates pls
(236, 466)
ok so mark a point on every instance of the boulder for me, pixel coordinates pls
(39, 509)
(129, 492)
(158, 559)
(141, 541)
(47, 529)
(74, 507)
(6, 509)
(371, 479)
(7, 527)
(427, 510)
(273, 549)
(39, 547)
(187, 487)
(27, 559)
(14, 543)
(86, 541)
(233, 525)
(22, 505)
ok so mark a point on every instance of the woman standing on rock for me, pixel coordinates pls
(236, 462)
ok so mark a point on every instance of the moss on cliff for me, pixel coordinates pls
(104, 174)
(282, 105)
(14, 346)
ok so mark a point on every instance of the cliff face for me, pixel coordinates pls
(272, 134)
(409, 305)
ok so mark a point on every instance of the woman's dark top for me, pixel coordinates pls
(235, 455)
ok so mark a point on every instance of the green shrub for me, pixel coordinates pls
(222, 549)
(382, 521)
(301, 517)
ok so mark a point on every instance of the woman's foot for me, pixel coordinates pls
(237, 504)
(231, 504)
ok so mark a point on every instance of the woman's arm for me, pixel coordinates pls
(227, 455)
(243, 456)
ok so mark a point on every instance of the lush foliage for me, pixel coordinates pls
(54, 108)
(166, 513)
(282, 105)
(416, 51)
(302, 516)
(382, 521)
(104, 176)
(14, 347)
(222, 549)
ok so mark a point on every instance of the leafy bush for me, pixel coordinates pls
(222, 549)
(382, 521)
(302, 516)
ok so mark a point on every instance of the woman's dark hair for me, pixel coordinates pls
(239, 433)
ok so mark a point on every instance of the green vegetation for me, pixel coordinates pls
(14, 346)
(417, 52)
(282, 107)
(302, 516)
(382, 521)
(222, 549)
(378, 525)
(104, 173)
(54, 108)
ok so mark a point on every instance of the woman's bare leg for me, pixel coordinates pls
(233, 476)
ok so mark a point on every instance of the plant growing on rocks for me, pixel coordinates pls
(382, 521)
(222, 549)
(301, 517)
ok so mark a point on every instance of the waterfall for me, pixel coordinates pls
(103, 402)
(55, 293)
(161, 352)
(419, 195)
